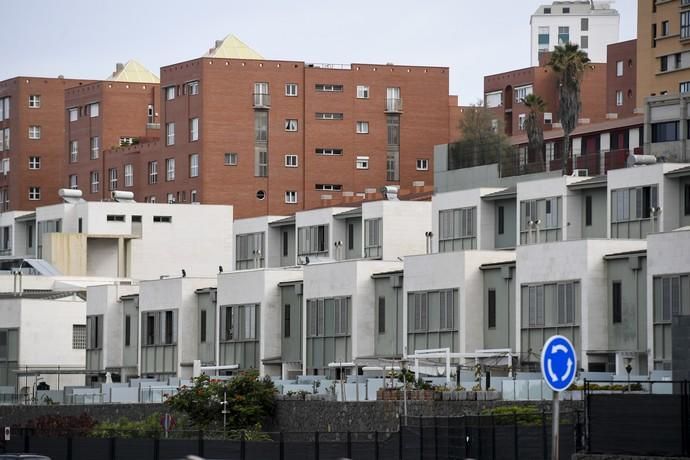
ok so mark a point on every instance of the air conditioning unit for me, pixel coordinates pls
(580, 173)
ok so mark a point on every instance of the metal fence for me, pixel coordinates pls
(495, 437)
(628, 419)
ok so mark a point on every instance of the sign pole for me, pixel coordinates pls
(555, 416)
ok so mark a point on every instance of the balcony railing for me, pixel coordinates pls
(394, 105)
(262, 100)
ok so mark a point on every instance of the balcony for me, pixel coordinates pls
(394, 105)
(262, 100)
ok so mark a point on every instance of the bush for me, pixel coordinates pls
(249, 401)
(150, 427)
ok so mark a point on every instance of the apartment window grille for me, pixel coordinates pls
(79, 336)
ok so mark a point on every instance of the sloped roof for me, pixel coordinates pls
(133, 71)
(232, 47)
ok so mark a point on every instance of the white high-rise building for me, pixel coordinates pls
(592, 25)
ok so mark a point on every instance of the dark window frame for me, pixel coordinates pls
(617, 302)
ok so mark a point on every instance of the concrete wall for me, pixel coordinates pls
(404, 226)
(501, 280)
(390, 341)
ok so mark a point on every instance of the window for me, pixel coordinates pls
(150, 115)
(312, 240)
(6, 136)
(328, 88)
(362, 92)
(492, 308)
(619, 98)
(79, 336)
(686, 205)
(393, 165)
(685, 24)
(373, 236)
(362, 162)
(291, 197)
(170, 134)
(563, 35)
(340, 310)
(261, 95)
(547, 10)
(170, 93)
(115, 218)
(291, 125)
(422, 164)
(617, 301)
(543, 38)
(290, 160)
(161, 219)
(5, 108)
(194, 165)
(536, 305)
(382, 315)
(73, 151)
(125, 140)
(168, 328)
(95, 181)
(170, 198)
(73, 182)
(5, 165)
(329, 187)
(129, 175)
(522, 92)
(170, 169)
(667, 290)
(153, 172)
(521, 121)
(566, 10)
(328, 152)
(112, 176)
(193, 196)
(240, 322)
(34, 193)
(34, 101)
(291, 89)
(285, 245)
(193, 129)
(128, 330)
(260, 126)
(230, 159)
(566, 303)
(250, 251)
(34, 162)
(584, 24)
(633, 203)
(93, 109)
(457, 229)
(663, 63)
(286, 320)
(494, 99)
(94, 332)
(584, 42)
(665, 131)
(588, 210)
(193, 88)
(34, 132)
(664, 28)
(501, 220)
(95, 147)
(362, 127)
(73, 114)
(329, 116)
(684, 87)
(261, 162)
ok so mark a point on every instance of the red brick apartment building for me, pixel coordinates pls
(503, 94)
(274, 137)
(621, 77)
(104, 115)
(32, 139)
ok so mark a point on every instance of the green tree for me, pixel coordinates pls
(569, 62)
(533, 126)
(481, 142)
(249, 399)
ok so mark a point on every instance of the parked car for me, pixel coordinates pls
(23, 457)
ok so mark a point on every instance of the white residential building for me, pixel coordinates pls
(592, 25)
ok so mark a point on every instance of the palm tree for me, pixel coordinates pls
(535, 130)
(569, 62)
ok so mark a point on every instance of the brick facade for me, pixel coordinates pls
(621, 77)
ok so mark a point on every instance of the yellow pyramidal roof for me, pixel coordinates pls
(232, 47)
(133, 72)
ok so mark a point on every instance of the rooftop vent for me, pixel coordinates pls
(70, 195)
(640, 160)
(122, 196)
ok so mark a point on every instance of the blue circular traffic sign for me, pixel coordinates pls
(558, 363)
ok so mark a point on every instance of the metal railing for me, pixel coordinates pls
(262, 100)
(394, 105)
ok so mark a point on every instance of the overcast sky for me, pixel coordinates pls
(85, 38)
